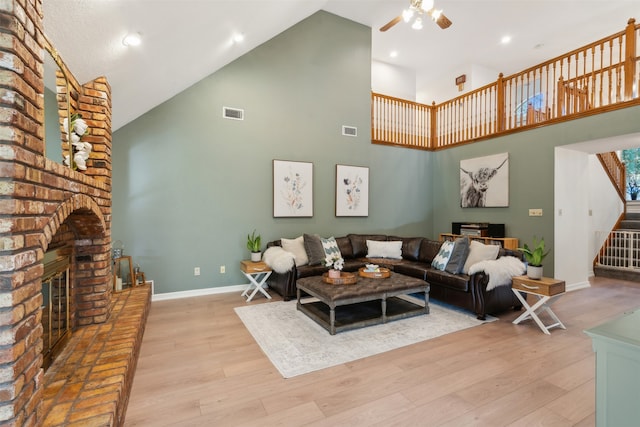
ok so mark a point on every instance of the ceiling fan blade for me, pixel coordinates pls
(443, 21)
(391, 23)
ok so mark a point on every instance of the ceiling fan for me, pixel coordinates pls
(416, 9)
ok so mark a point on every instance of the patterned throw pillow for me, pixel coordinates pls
(331, 249)
(441, 260)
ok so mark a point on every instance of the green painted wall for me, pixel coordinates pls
(189, 185)
(531, 175)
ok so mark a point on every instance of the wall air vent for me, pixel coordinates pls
(349, 131)
(232, 113)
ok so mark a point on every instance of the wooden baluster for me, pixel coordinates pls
(500, 104)
(609, 96)
(630, 79)
(619, 65)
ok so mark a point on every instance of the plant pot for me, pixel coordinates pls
(534, 272)
(334, 274)
(256, 256)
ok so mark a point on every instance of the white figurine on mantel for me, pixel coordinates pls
(81, 150)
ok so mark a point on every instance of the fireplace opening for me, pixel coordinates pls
(55, 305)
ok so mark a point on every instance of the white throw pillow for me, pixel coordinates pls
(296, 247)
(377, 249)
(480, 252)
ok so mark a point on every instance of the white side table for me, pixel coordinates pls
(257, 273)
(546, 290)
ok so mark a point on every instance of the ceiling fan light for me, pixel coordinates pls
(435, 14)
(417, 24)
(407, 14)
(132, 39)
(427, 5)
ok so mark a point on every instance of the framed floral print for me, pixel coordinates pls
(292, 189)
(352, 190)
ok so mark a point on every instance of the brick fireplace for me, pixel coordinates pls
(44, 204)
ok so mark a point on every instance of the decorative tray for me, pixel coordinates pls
(344, 279)
(381, 273)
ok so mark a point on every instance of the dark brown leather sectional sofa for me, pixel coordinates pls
(468, 292)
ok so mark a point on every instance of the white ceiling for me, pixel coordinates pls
(186, 40)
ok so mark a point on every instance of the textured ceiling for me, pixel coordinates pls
(186, 40)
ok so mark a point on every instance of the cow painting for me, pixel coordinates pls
(484, 181)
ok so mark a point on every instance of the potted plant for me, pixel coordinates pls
(534, 257)
(253, 244)
(335, 264)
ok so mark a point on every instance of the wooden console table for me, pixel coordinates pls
(505, 242)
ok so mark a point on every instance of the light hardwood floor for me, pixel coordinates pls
(199, 366)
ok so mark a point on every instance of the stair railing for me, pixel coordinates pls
(616, 170)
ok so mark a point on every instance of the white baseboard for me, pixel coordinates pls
(195, 292)
(579, 285)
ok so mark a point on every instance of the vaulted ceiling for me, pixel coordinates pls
(184, 41)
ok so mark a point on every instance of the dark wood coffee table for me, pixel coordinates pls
(370, 301)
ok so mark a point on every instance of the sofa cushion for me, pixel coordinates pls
(444, 254)
(376, 249)
(296, 247)
(413, 269)
(480, 252)
(410, 247)
(345, 247)
(458, 256)
(428, 250)
(459, 282)
(313, 248)
(310, 270)
(359, 243)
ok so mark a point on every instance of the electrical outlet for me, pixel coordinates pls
(223, 269)
(196, 271)
(535, 212)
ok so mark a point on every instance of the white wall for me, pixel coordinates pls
(571, 205)
(445, 88)
(393, 81)
(605, 206)
(589, 204)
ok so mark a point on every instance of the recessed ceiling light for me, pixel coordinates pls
(393, 53)
(238, 38)
(132, 39)
(505, 40)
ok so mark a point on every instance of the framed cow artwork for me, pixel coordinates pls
(484, 181)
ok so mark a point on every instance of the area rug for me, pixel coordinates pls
(296, 345)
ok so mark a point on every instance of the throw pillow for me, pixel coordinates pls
(314, 249)
(376, 249)
(440, 261)
(458, 256)
(296, 247)
(480, 252)
(331, 249)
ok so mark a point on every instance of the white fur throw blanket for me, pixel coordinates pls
(278, 259)
(500, 271)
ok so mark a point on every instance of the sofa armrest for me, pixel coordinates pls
(284, 283)
(497, 299)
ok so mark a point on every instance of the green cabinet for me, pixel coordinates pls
(617, 347)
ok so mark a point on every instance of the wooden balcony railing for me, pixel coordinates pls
(599, 77)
